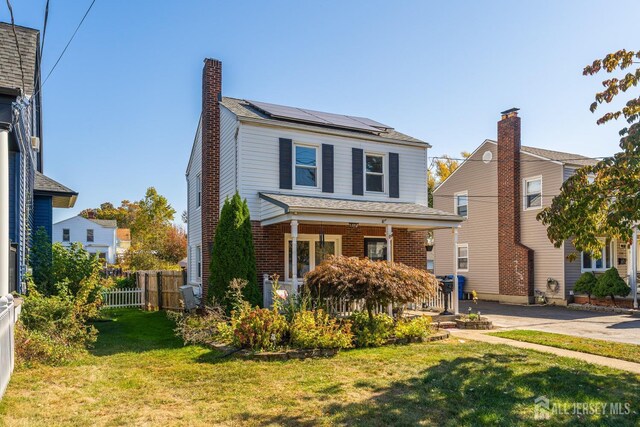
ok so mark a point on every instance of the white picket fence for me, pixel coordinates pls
(120, 298)
(7, 343)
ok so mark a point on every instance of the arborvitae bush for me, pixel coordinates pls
(611, 284)
(585, 284)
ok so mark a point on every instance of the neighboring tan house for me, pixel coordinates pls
(123, 241)
(502, 249)
(98, 236)
(316, 184)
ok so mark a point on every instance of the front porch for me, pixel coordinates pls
(309, 229)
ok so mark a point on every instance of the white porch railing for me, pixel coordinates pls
(346, 307)
(120, 298)
(7, 343)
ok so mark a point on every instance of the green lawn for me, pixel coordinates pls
(616, 350)
(139, 373)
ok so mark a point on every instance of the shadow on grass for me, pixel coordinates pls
(494, 389)
(134, 331)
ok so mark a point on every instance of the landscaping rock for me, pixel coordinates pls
(474, 324)
(603, 308)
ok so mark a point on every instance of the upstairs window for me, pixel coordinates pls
(533, 193)
(198, 191)
(65, 235)
(90, 235)
(375, 173)
(589, 263)
(306, 166)
(461, 201)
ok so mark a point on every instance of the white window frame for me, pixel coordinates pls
(198, 262)
(455, 202)
(525, 181)
(458, 246)
(198, 191)
(316, 167)
(68, 230)
(605, 261)
(93, 235)
(383, 174)
(312, 239)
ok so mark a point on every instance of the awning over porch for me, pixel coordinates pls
(278, 208)
(62, 197)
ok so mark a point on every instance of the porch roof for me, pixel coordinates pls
(366, 211)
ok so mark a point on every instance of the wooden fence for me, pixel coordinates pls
(161, 288)
(119, 298)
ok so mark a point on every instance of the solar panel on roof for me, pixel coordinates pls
(318, 117)
(372, 123)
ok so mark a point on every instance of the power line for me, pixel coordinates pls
(15, 36)
(518, 160)
(44, 27)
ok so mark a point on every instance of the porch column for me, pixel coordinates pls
(4, 209)
(454, 298)
(633, 276)
(294, 254)
(388, 234)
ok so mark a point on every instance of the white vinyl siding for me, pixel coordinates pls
(259, 159)
(95, 238)
(228, 158)
(194, 215)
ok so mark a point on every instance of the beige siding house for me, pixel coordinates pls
(472, 190)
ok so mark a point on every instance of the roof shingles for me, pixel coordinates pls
(10, 72)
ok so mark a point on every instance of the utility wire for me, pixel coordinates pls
(44, 27)
(516, 160)
(15, 36)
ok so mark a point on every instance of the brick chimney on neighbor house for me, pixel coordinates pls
(210, 209)
(515, 269)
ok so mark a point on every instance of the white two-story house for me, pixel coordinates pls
(98, 236)
(316, 184)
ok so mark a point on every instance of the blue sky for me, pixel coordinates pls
(121, 108)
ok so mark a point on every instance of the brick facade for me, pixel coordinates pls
(210, 209)
(515, 269)
(408, 246)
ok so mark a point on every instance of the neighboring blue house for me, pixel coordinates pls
(32, 195)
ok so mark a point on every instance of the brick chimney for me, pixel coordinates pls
(515, 269)
(210, 209)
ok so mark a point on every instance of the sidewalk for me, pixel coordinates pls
(590, 358)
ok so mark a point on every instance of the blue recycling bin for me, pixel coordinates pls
(461, 283)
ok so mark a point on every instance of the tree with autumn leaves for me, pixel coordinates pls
(442, 167)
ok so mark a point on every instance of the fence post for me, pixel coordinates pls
(159, 290)
(146, 286)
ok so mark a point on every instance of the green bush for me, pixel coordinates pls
(611, 284)
(586, 284)
(416, 329)
(316, 329)
(208, 328)
(258, 328)
(125, 282)
(233, 255)
(371, 332)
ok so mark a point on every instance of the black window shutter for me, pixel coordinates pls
(394, 175)
(357, 155)
(327, 168)
(286, 164)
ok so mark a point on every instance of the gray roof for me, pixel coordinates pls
(242, 108)
(10, 74)
(45, 184)
(560, 156)
(310, 204)
(112, 223)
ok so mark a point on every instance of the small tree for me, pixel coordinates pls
(585, 284)
(41, 262)
(233, 255)
(378, 283)
(611, 284)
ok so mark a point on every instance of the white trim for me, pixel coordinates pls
(604, 268)
(525, 181)
(347, 218)
(384, 173)
(198, 190)
(317, 167)
(458, 246)
(455, 202)
(198, 260)
(312, 239)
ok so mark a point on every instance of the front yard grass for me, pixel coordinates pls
(622, 351)
(140, 374)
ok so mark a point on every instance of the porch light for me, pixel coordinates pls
(429, 242)
(353, 224)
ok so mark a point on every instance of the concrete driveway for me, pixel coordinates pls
(607, 326)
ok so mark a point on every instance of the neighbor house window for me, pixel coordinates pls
(306, 166)
(533, 193)
(65, 235)
(590, 263)
(198, 262)
(375, 172)
(312, 250)
(198, 191)
(463, 257)
(461, 201)
(90, 235)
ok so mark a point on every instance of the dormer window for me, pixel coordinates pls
(375, 173)
(306, 165)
